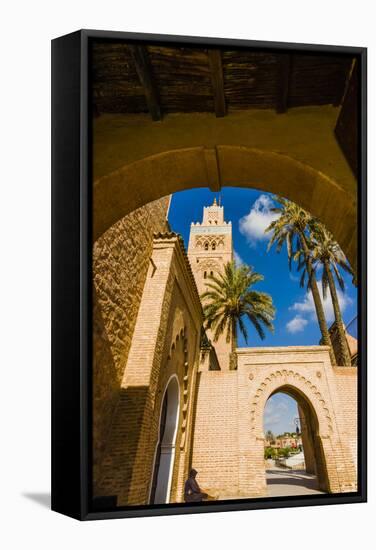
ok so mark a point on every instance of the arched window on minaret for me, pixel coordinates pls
(204, 274)
(211, 274)
(206, 245)
(213, 246)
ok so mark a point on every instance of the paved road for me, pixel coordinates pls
(282, 482)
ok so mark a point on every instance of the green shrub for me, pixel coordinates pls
(269, 452)
(284, 453)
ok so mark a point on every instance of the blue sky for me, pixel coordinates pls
(248, 210)
(295, 322)
(280, 413)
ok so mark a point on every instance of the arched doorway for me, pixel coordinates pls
(294, 459)
(165, 450)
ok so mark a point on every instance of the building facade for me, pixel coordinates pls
(175, 404)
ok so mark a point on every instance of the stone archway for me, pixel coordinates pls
(165, 449)
(306, 374)
(317, 411)
(313, 449)
(232, 465)
(152, 177)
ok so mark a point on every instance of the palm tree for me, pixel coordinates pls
(291, 227)
(269, 436)
(229, 299)
(327, 252)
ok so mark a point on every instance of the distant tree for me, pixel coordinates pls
(269, 436)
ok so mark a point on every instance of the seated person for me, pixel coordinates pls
(192, 491)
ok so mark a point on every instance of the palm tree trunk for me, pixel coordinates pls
(234, 339)
(344, 348)
(317, 301)
(234, 345)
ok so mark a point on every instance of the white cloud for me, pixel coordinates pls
(307, 306)
(274, 411)
(297, 324)
(253, 225)
(237, 259)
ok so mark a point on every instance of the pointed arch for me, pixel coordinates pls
(163, 464)
(152, 177)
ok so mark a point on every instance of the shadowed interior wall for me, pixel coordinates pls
(120, 264)
(309, 455)
(295, 154)
(306, 134)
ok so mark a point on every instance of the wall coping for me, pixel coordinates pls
(176, 241)
(345, 371)
(281, 349)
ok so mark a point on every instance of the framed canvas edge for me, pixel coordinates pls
(85, 269)
(65, 275)
(218, 41)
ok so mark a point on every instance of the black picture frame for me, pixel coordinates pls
(71, 279)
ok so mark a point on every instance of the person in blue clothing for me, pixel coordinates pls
(192, 491)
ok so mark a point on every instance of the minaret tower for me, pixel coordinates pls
(209, 249)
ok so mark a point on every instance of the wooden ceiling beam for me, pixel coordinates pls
(343, 86)
(346, 130)
(144, 70)
(215, 64)
(283, 82)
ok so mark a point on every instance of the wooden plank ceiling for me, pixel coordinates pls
(161, 80)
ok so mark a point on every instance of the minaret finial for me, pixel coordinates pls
(215, 201)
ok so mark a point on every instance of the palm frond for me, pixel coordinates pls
(230, 297)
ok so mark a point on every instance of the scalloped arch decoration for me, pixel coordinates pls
(279, 379)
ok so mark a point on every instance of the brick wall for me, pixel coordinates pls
(215, 438)
(347, 382)
(165, 343)
(120, 264)
(228, 439)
